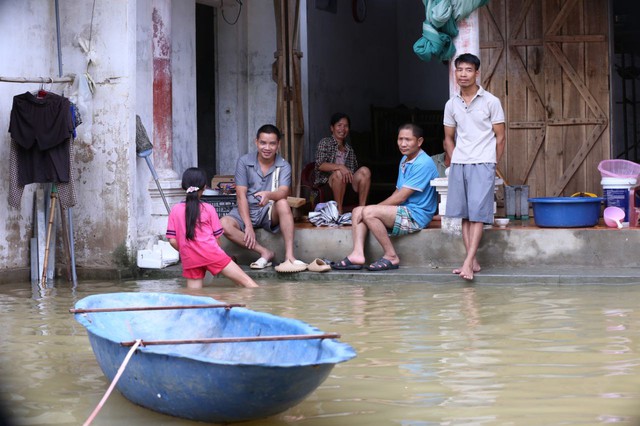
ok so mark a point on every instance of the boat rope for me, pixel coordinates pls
(113, 383)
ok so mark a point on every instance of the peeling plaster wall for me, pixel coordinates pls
(183, 69)
(144, 108)
(21, 57)
(104, 216)
(104, 159)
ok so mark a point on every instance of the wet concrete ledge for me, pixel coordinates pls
(408, 274)
(517, 254)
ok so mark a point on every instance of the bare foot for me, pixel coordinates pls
(466, 274)
(268, 255)
(476, 268)
(356, 260)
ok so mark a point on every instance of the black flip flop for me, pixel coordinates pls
(382, 264)
(345, 265)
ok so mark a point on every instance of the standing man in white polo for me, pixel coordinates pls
(474, 139)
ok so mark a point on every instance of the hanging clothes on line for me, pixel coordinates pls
(41, 129)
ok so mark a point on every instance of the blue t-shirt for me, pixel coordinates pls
(417, 174)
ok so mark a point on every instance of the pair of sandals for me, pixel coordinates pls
(285, 267)
(381, 264)
(317, 265)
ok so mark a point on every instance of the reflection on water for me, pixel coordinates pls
(427, 354)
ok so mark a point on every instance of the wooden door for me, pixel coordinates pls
(548, 61)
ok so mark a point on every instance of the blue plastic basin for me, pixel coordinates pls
(566, 212)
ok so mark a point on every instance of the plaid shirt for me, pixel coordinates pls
(326, 153)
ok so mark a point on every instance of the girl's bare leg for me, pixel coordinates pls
(238, 276)
(192, 283)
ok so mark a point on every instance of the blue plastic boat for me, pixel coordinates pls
(210, 382)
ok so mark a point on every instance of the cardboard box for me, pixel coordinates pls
(224, 179)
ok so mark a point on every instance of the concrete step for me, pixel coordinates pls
(520, 245)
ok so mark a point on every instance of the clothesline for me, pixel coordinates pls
(47, 80)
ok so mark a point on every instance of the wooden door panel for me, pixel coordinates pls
(555, 60)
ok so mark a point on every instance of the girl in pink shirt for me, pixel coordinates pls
(193, 229)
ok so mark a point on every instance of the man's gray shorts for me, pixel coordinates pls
(260, 219)
(470, 193)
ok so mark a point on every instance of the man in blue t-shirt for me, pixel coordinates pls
(409, 209)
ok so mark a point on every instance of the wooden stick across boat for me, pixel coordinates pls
(157, 308)
(235, 339)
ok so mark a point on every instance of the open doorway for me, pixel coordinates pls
(625, 84)
(363, 64)
(205, 88)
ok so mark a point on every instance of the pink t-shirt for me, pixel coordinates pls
(204, 248)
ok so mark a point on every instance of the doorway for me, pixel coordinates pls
(205, 88)
(625, 87)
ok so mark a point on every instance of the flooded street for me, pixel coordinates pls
(428, 354)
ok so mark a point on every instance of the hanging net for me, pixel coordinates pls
(440, 27)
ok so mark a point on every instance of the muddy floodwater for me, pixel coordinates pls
(428, 354)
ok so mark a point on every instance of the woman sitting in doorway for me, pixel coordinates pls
(337, 165)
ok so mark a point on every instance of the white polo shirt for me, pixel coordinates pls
(475, 138)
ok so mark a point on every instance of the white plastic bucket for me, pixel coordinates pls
(616, 193)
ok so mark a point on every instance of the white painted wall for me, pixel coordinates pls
(105, 158)
(20, 57)
(231, 87)
(246, 93)
(183, 70)
(147, 230)
(104, 217)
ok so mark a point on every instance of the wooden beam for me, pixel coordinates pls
(561, 17)
(575, 121)
(526, 42)
(524, 74)
(524, 10)
(538, 142)
(526, 124)
(575, 79)
(587, 38)
(578, 159)
(498, 45)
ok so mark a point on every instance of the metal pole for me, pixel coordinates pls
(72, 253)
(58, 40)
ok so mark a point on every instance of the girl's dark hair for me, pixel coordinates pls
(339, 116)
(195, 177)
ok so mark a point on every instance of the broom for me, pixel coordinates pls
(144, 149)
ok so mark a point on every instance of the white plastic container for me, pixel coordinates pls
(616, 193)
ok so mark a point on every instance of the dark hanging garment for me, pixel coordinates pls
(42, 146)
(42, 130)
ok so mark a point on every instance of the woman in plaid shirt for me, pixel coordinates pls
(337, 165)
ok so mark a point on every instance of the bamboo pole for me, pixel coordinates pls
(48, 80)
(52, 213)
(66, 242)
(156, 308)
(235, 339)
